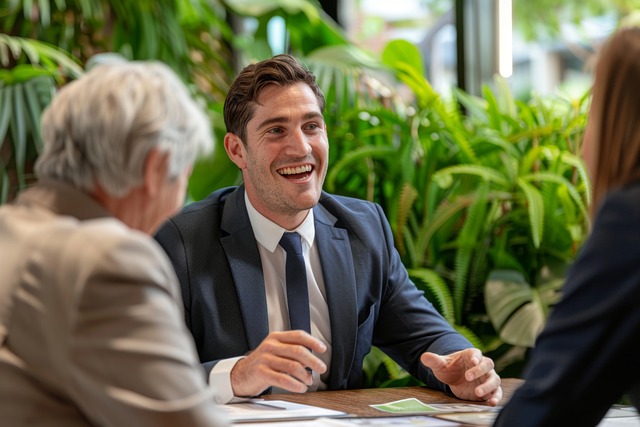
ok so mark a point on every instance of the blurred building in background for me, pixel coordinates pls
(509, 37)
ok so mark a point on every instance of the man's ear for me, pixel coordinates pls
(156, 167)
(235, 149)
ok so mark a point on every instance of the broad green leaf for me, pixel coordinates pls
(513, 307)
(403, 52)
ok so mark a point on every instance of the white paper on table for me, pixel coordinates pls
(256, 410)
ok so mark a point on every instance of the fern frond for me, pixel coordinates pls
(408, 195)
(464, 255)
(471, 336)
(466, 242)
(433, 284)
(445, 212)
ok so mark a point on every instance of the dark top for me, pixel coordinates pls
(586, 357)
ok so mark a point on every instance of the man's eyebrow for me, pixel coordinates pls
(282, 119)
(271, 121)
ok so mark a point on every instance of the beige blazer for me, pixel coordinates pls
(91, 328)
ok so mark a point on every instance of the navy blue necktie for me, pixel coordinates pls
(296, 278)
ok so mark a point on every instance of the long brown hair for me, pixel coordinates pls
(615, 126)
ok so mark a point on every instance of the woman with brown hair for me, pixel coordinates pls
(585, 359)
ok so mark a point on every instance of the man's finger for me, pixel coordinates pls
(432, 360)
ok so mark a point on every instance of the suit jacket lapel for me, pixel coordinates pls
(244, 260)
(339, 279)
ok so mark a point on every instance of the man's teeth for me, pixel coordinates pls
(296, 170)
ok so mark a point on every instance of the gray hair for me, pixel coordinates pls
(100, 128)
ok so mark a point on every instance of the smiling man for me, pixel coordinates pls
(232, 266)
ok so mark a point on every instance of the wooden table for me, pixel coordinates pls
(356, 402)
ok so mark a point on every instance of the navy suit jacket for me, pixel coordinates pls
(586, 358)
(370, 298)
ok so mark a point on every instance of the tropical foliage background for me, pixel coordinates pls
(487, 196)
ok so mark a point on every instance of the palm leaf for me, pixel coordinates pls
(444, 176)
(21, 108)
(55, 61)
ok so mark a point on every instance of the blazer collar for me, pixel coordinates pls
(339, 280)
(244, 260)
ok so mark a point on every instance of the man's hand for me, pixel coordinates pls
(469, 374)
(281, 360)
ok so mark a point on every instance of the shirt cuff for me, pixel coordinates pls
(220, 380)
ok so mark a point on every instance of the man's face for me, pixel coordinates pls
(284, 162)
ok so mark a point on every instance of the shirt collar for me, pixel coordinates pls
(268, 233)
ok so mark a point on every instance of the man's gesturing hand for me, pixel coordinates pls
(469, 374)
(281, 360)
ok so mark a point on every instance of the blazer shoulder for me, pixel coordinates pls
(363, 220)
(106, 237)
(199, 221)
(334, 202)
(349, 209)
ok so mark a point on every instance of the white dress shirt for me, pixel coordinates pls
(273, 257)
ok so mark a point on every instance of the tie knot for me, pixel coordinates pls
(291, 243)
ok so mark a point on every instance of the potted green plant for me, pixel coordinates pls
(488, 206)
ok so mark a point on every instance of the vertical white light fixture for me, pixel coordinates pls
(505, 38)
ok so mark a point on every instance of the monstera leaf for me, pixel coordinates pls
(517, 310)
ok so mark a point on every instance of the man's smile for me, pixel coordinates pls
(296, 172)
